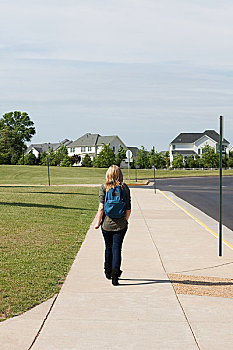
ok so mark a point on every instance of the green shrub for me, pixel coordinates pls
(87, 162)
(67, 161)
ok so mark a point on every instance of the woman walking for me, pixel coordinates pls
(113, 215)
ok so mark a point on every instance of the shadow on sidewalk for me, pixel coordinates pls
(187, 282)
(144, 281)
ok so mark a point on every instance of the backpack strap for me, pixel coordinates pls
(123, 194)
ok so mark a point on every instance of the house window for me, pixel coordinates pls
(89, 149)
(113, 149)
(83, 149)
(173, 146)
(199, 151)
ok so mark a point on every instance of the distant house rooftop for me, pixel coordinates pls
(92, 140)
(45, 147)
(192, 137)
(134, 150)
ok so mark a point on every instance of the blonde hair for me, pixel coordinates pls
(114, 177)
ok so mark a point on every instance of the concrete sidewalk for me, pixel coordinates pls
(144, 312)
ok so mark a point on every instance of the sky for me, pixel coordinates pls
(144, 70)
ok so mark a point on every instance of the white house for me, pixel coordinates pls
(92, 144)
(39, 148)
(188, 144)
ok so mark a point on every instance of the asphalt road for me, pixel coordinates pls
(203, 193)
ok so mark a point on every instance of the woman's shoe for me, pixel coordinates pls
(108, 271)
(115, 275)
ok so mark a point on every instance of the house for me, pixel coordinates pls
(39, 148)
(134, 150)
(92, 144)
(188, 144)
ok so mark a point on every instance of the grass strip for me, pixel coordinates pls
(37, 175)
(41, 231)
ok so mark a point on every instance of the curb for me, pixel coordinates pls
(145, 183)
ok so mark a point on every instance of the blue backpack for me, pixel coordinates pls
(115, 202)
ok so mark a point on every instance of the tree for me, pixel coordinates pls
(167, 159)
(178, 161)
(120, 155)
(20, 122)
(105, 158)
(156, 159)
(199, 162)
(152, 158)
(43, 158)
(61, 153)
(230, 160)
(87, 162)
(190, 162)
(67, 161)
(52, 157)
(29, 159)
(142, 158)
(210, 159)
(133, 164)
(22, 125)
(10, 146)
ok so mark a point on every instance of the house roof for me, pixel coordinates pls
(44, 147)
(105, 139)
(214, 135)
(93, 140)
(192, 137)
(134, 150)
(185, 137)
(85, 140)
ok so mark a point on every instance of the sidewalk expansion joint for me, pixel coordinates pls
(160, 258)
(43, 323)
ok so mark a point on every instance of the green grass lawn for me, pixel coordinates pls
(41, 230)
(37, 175)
